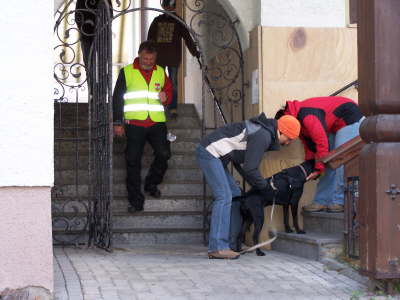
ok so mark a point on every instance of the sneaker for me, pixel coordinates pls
(223, 254)
(314, 207)
(335, 208)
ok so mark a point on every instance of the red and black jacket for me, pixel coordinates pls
(319, 117)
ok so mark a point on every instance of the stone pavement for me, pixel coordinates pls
(170, 272)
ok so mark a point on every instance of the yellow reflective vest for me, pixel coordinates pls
(142, 100)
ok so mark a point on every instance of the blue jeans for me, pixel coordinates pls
(330, 187)
(223, 188)
(173, 75)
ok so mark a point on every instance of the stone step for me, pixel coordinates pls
(81, 161)
(83, 108)
(119, 190)
(70, 107)
(119, 175)
(158, 236)
(140, 220)
(315, 246)
(323, 222)
(151, 204)
(183, 121)
(71, 133)
(136, 237)
(147, 220)
(82, 146)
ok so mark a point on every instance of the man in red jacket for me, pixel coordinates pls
(326, 123)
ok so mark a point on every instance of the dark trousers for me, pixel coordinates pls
(137, 137)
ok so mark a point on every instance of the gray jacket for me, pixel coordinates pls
(244, 143)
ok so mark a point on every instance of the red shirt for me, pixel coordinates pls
(167, 89)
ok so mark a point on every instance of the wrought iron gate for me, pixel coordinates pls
(84, 214)
(100, 132)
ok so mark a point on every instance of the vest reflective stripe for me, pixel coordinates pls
(140, 94)
(141, 107)
(142, 100)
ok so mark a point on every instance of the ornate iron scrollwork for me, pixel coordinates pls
(223, 58)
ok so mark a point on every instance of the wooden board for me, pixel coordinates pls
(295, 64)
(300, 63)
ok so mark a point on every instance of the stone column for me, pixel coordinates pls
(379, 99)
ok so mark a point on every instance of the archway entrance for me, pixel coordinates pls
(82, 207)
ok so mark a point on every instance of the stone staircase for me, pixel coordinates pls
(323, 238)
(176, 218)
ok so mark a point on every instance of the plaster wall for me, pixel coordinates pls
(303, 13)
(26, 106)
(26, 257)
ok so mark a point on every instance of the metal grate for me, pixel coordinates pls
(351, 218)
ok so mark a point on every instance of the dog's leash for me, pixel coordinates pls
(274, 231)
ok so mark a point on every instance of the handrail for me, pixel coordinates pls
(216, 101)
(355, 83)
(237, 166)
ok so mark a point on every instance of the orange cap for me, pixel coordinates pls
(289, 126)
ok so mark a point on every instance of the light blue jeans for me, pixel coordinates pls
(223, 188)
(330, 187)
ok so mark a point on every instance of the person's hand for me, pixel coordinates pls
(313, 175)
(163, 97)
(119, 130)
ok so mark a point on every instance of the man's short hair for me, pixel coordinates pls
(148, 46)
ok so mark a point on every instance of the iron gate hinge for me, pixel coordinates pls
(393, 191)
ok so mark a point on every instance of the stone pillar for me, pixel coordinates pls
(379, 99)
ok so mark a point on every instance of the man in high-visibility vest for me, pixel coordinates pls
(140, 95)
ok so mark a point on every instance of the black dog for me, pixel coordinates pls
(284, 188)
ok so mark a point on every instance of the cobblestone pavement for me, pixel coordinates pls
(173, 273)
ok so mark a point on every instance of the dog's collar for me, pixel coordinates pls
(304, 170)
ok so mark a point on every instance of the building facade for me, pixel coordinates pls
(311, 30)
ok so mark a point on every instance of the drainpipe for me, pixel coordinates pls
(144, 20)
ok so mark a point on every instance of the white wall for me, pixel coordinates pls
(26, 106)
(303, 13)
(249, 14)
(26, 256)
